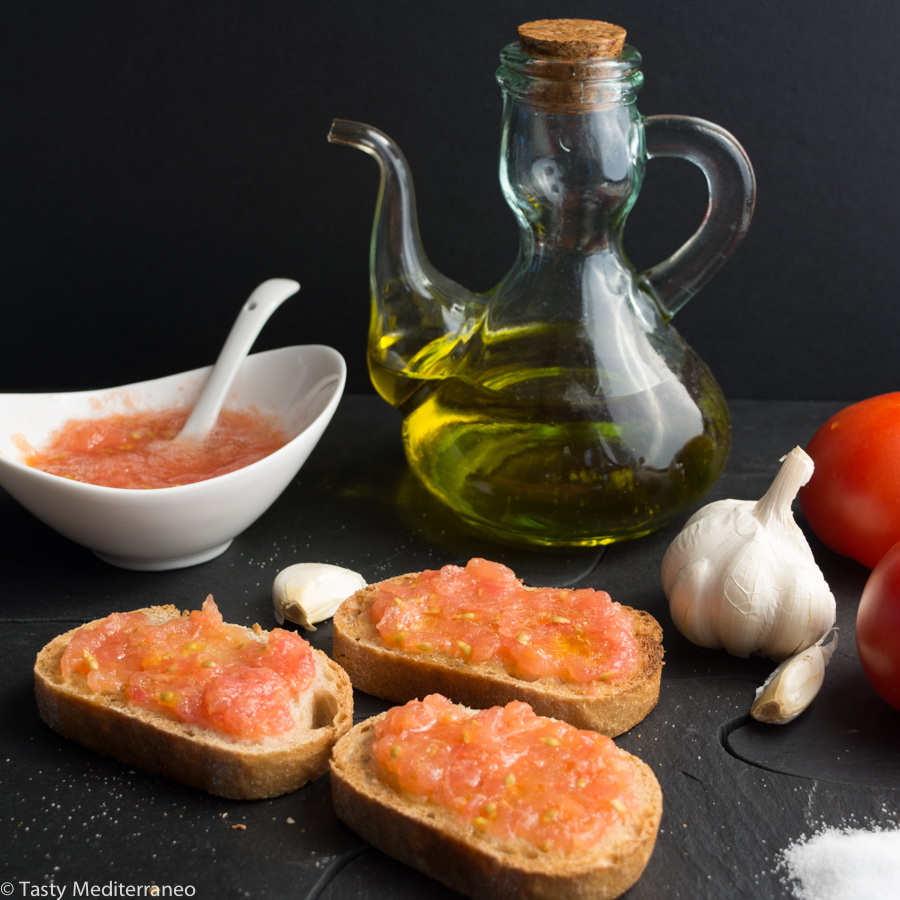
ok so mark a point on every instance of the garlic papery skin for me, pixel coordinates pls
(307, 593)
(793, 685)
(742, 576)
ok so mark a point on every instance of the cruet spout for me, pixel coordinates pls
(418, 315)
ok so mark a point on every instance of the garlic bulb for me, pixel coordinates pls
(742, 576)
(307, 593)
(793, 685)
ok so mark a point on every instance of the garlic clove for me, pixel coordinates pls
(687, 613)
(793, 686)
(307, 593)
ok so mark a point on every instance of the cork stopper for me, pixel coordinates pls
(571, 38)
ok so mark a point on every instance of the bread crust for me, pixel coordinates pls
(609, 708)
(478, 865)
(233, 768)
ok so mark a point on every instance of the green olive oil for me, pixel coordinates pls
(535, 454)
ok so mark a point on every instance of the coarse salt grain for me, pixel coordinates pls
(845, 864)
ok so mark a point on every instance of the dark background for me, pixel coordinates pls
(159, 159)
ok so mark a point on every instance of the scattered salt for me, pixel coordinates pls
(845, 864)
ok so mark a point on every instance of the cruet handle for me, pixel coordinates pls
(732, 194)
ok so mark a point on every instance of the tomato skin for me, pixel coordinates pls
(852, 501)
(878, 627)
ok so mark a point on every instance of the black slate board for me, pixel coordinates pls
(736, 793)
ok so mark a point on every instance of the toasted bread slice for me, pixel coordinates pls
(610, 708)
(429, 838)
(200, 757)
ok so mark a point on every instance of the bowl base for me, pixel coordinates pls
(160, 565)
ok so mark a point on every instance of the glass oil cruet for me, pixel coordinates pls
(561, 408)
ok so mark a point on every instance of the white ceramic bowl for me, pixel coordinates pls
(179, 526)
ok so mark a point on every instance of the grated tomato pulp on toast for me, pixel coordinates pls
(483, 612)
(507, 771)
(196, 669)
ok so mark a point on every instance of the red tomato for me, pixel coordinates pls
(852, 501)
(878, 627)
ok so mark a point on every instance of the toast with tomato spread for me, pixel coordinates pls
(408, 663)
(105, 718)
(500, 842)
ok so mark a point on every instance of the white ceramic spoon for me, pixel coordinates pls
(253, 315)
